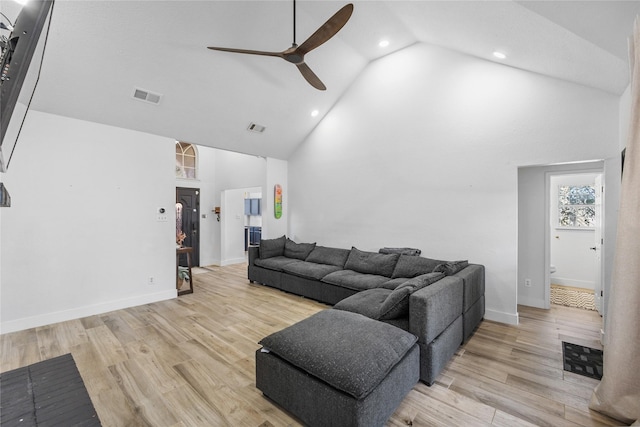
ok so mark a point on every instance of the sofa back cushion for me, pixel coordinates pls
(452, 267)
(272, 247)
(297, 250)
(329, 256)
(371, 262)
(397, 303)
(401, 251)
(413, 266)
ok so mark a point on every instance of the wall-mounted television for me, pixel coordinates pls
(20, 63)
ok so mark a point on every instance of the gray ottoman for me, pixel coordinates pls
(338, 368)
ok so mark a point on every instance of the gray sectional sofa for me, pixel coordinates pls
(439, 302)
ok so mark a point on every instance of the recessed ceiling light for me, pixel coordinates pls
(383, 43)
(499, 55)
(315, 113)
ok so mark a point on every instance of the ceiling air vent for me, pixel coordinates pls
(145, 95)
(256, 128)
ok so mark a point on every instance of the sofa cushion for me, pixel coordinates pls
(451, 267)
(401, 251)
(394, 283)
(329, 256)
(367, 302)
(353, 280)
(276, 263)
(413, 266)
(297, 250)
(371, 262)
(309, 270)
(397, 303)
(317, 345)
(272, 247)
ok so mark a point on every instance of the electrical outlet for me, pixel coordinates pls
(527, 283)
(150, 281)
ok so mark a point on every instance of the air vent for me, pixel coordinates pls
(256, 128)
(144, 95)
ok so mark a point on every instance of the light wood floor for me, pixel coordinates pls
(190, 362)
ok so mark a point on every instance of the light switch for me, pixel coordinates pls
(161, 215)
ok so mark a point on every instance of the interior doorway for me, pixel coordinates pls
(188, 221)
(575, 239)
(241, 214)
(535, 230)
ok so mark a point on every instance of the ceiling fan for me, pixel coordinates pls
(295, 54)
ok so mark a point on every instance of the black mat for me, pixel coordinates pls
(582, 360)
(49, 393)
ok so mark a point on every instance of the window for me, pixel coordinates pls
(576, 206)
(185, 160)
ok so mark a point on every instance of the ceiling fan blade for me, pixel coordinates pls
(310, 76)
(327, 30)
(246, 51)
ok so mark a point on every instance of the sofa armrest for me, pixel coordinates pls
(435, 307)
(473, 282)
(254, 254)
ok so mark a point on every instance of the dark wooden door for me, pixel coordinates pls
(188, 221)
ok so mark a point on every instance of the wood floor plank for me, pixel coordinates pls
(502, 419)
(454, 399)
(514, 403)
(589, 418)
(120, 328)
(19, 349)
(560, 394)
(108, 348)
(190, 361)
(491, 392)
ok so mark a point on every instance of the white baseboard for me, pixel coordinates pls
(585, 284)
(89, 310)
(498, 316)
(532, 302)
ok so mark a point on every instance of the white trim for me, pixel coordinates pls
(499, 316)
(534, 302)
(546, 298)
(584, 284)
(80, 312)
(557, 227)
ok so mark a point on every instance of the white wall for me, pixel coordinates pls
(575, 263)
(424, 149)
(277, 173)
(625, 117)
(81, 236)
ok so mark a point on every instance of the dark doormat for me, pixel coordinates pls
(582, 360)
(48, 393)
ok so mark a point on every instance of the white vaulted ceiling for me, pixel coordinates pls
(98, 52)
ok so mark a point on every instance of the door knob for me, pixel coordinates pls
(593, 248)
